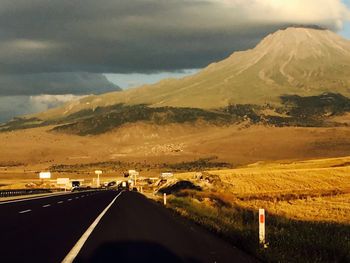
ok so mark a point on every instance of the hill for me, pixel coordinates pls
(325, 110)
(293, 61)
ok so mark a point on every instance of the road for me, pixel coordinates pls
(105, 226)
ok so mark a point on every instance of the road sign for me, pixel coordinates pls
(164, 198)
(262, 226)
(98, 172)
(45, 175)
(133, 173)
(63, 181)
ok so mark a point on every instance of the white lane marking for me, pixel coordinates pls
(69, 200)
(35, 198)
(77, 197)
(59, 202)
(76, 249)
(48, 205)
(25, 211)
(30, 198)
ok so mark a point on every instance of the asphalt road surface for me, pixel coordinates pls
(105, 226)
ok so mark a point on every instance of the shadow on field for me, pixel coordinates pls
(289, 240)
(132, 251)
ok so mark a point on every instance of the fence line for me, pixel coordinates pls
(17, 192)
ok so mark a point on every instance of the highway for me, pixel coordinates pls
(105, 226)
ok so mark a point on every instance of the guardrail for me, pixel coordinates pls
(17, 192)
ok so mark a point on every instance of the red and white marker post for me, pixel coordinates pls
(262, 240)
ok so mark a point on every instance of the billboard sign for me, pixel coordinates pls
(45, 175)
(63, 181)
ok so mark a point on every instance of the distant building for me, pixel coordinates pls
(166, 175)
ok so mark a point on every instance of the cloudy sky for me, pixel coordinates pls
(52, 51)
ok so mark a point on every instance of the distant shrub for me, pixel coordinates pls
(179, 186)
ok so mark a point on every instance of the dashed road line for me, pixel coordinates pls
(25, 211)
(59, 202)
(48, 205)
(34, 198)
(69, 200)
(30, 198)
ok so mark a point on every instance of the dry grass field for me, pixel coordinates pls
(309, 190)
(307, 205)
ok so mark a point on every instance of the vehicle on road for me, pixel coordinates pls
(75, 185)
(111, 184)
(124, 186)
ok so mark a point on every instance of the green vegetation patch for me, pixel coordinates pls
(105, 119)
(198, 165)
(295, 110)
(21, 123)
(326, 104)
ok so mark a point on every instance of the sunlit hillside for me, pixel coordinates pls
(301, 61)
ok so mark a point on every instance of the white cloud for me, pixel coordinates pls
(327, 13)
(45, 101)
(11, 106)
(144, 36)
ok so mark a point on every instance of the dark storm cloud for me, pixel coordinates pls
(124, 36)
(54, 83)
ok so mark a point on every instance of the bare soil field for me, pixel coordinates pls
(150, 147)
(26, 152)
(237, 144)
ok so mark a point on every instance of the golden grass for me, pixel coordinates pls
(330, 209)
(315, 190)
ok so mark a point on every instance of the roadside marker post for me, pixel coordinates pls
(164, 195)
(262, 240)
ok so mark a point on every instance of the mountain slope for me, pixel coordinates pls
(301, 61)
(324, 110)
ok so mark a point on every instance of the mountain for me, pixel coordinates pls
(285, 99)
(293, 61)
